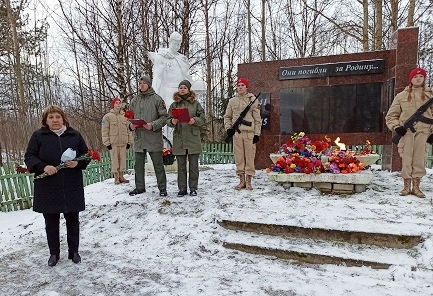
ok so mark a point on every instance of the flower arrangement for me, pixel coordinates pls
(167, 156)
(69, 155)
(21, 170)
(343, 162)
(302, 155)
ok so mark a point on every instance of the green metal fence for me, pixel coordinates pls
(217, 153)
(16, 189)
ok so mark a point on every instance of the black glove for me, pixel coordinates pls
(256, 139)
(230, 132)
(430, 139)
(401, 131)
(109, 147)
(128, 146)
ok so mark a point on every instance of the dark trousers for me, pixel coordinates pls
(182, 172)
(52, 223)
(158, 166)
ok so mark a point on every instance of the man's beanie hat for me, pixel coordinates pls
(417, 71)
(113, 101)
(146, 79)
(242, 80)
(186, 83)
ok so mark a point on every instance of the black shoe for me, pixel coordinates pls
(137, 191)
(182, 193)
(75, 257)
(162, 192)
(53, 260)
(193, 193)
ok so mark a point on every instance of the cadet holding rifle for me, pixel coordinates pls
(412, 145)
(246, 134)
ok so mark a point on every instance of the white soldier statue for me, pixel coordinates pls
(169, 68)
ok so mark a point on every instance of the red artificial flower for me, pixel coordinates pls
(21, 170)
(129, 114)
(166, 151)
(94, 154)
(300, 146)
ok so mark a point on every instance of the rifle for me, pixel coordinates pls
(417, 116)
(241, 119)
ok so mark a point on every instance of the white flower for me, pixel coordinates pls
(69, 154)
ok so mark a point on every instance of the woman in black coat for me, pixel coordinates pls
(62, 191)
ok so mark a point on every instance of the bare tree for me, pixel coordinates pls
(364, 41)
(378, 35)
(120, 54)
(249, 30)
(394, 14)
(13, 19)
(411, 13)
(263, 41)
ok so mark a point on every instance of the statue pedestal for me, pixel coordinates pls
(150, 171)
(168, 168)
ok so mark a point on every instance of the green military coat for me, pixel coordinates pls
(187, 136)
(150, 107)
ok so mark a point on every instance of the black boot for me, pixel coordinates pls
(182, 192)
(75, 257)
(137, 191)
(53, 260)
(163, 192)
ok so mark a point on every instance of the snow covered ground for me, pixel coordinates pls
(152, 245)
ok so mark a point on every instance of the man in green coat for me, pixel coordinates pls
(150, 107)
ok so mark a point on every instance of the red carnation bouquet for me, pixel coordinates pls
(129, 114)
(21, 170)
(69, 155)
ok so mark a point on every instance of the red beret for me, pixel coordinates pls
(242, 80)
(417, 71)
(113, 101)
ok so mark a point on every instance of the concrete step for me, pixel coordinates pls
(309, 258)
(274, 240)
(354, 237)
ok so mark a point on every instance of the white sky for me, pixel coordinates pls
(151, 245)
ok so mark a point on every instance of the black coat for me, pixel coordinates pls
(62, 192)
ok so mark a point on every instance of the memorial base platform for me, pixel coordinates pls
(325, 182)
(150, 171)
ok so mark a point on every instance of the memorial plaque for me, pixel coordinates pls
(342, 106)
(316, 109)
(291, 111)
(331, 109)
(336, 69)
(368, 115)
(265, 110)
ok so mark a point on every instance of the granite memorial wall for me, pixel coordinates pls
(341, 95)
